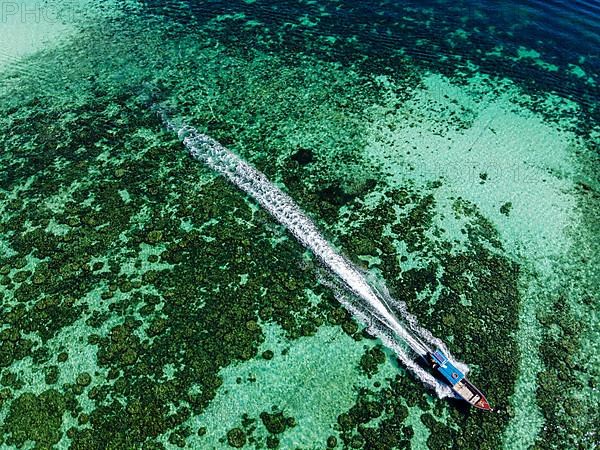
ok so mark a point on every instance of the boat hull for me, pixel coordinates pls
(455, 378)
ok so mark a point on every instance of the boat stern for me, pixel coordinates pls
(445, 368)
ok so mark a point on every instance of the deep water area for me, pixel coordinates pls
(448, 149)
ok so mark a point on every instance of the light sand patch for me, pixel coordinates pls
(313, 382)
(29, 26)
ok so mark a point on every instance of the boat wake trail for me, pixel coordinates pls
(374, 307)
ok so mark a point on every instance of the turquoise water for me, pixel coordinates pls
(449, 150)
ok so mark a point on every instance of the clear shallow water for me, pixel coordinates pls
(450, 150)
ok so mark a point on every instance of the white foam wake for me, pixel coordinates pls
(374, 313)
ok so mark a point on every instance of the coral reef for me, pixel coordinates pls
(131, 277)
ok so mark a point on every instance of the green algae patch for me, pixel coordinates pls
(236, 438)
(276, 423)
(558, 385)
(36, 418)
(371, 360)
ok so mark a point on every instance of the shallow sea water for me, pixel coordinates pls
(449, 149)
